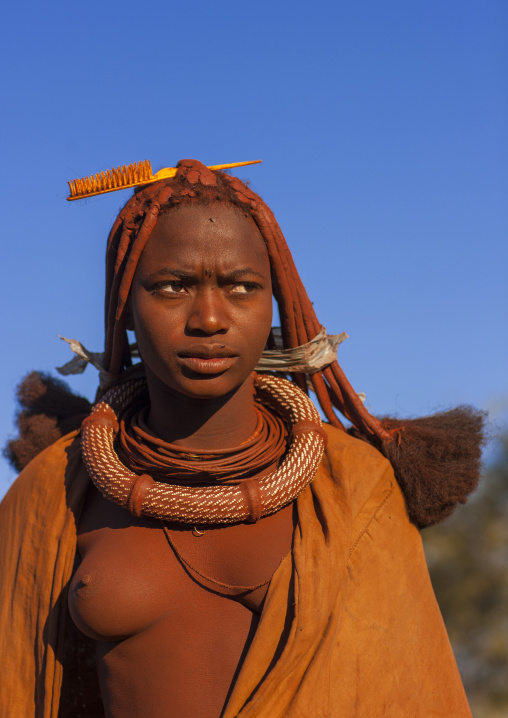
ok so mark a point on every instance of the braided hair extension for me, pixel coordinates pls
(424, 453)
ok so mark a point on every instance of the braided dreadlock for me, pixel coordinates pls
(436, 459)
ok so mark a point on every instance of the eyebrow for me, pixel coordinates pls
(169, 272)
(183, 274)
(238, 273)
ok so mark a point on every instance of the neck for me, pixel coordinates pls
(201, 423)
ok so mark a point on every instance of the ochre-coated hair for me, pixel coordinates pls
(194, 183)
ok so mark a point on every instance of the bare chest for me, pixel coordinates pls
(135, 573)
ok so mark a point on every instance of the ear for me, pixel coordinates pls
(129, 322)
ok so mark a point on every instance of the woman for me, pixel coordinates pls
(276, 578)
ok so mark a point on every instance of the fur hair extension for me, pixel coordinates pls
(48, 410)
(436, 459)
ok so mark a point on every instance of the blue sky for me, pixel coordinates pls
(382, 130)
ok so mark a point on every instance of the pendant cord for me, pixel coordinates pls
(191, 567)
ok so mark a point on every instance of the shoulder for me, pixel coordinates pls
(343, 451)
(45, 472)
(362, 475)
(38, 518)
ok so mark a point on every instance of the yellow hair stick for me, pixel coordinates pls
(132, 175)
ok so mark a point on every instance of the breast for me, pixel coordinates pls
(124, 585)
(131, 578)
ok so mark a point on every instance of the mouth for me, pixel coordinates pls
(207, 360)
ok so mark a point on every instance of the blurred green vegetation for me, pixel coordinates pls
(468, 563)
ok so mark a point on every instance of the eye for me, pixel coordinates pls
(244, 287)
(169, 288)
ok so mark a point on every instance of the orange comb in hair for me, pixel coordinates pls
(126, 176)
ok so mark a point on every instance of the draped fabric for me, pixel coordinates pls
(38, 519)
(350, 626)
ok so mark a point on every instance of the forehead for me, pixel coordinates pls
(215, 234)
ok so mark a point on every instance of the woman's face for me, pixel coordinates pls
(201, 300)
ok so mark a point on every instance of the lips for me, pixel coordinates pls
(204, 359)
(208, 351)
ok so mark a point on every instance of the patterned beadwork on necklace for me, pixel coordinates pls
(247, 500)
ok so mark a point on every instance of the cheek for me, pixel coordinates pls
(268, 318)
(150, 323)
(259, 328)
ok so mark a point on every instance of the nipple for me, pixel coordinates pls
(82, 584)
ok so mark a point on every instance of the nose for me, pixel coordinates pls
(208, 313)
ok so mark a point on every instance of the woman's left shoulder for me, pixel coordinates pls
(344, 454)
(356, 467)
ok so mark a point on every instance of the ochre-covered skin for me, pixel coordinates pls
(202, 285)
(164, 637)
(349, 627)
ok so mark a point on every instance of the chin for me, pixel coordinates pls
(206, 389)
(202, 386)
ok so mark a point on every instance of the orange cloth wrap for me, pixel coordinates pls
(350, 626)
